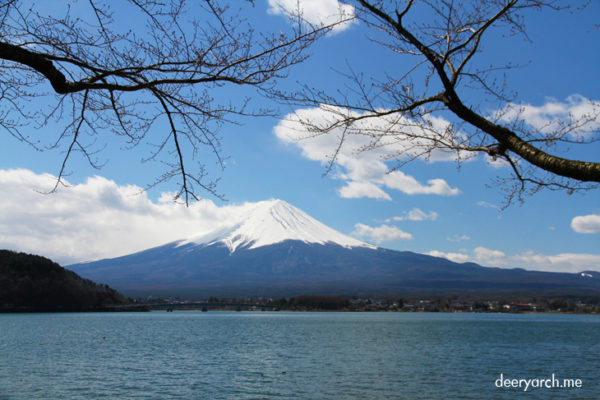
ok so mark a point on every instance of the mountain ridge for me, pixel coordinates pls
(278, 250)
(293, 267)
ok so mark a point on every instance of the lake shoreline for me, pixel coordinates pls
(121, 308)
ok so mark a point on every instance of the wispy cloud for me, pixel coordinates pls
(458, 238)
(381, 233)
(577, 116)
(563, 262)
(316, 12)
(456, 257)
(356, 190)
(365, 172)
(485, 204)
(586, 223)
(416, 214)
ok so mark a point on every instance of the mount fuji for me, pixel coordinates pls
(270, 222)
(275, 249)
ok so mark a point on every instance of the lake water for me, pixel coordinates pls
(280, 355)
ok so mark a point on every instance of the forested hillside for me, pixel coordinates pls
(34, 283)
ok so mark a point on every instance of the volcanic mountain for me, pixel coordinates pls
(275, 249)
(271, 222)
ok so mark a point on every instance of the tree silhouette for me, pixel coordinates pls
(131, 71)
(440, 58)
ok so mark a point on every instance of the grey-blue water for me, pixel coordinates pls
(263, 355)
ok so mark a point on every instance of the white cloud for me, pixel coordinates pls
(95, 219)
(456, 257)
(458, 238)
(495, 258)
(562, 262)
(496, 162)
(382, 233)
(316, 12)
(568, 262)
(586, 223)
(364, 171)
(485, 204)
(556, 116)
(417, 214)
(409, 185)
(355, 190)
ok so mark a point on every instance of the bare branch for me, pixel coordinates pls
(113, 78)
(449, 44)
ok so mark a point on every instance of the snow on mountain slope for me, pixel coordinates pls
(273, 221)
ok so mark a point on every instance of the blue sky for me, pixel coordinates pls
(434, 207)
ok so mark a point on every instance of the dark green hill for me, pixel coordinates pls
(34, 283)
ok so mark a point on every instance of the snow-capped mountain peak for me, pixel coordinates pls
(272, 221)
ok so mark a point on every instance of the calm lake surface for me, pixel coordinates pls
(280, 355)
